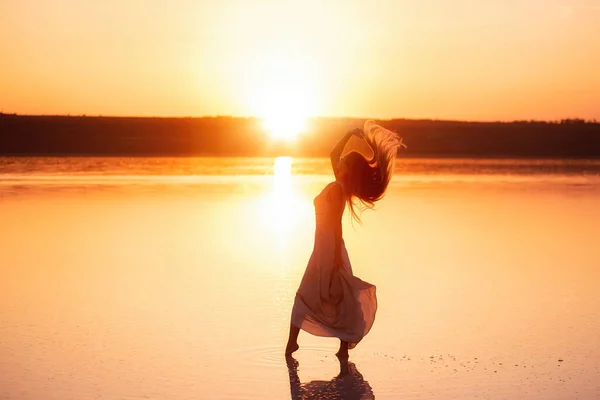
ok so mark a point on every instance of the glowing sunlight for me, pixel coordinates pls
(280, 206)
(285, 125)
(283, 96)
(282, 169)
(282, 200)
(283, 114)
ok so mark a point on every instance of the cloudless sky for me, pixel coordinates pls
(459, 59)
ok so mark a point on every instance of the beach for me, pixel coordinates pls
(158, 278)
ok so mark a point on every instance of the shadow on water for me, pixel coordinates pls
(349, 384)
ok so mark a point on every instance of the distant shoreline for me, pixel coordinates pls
(224, 156)
(97, 136)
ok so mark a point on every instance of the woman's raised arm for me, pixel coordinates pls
(339, 148)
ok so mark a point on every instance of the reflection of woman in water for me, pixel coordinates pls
(331, 301)
(348, 385)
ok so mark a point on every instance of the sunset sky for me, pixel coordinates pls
(460, 59)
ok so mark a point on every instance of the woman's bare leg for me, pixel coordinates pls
(292, 344)
(343, 351)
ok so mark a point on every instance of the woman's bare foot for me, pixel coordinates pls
(292, 344)
(291, 347)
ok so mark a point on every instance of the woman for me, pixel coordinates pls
(331, 301)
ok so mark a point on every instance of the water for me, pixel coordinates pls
(174, 279)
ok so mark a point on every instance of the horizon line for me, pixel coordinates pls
(85, 115)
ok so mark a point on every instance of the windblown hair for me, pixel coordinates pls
(368, 179)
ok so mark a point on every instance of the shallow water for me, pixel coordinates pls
(174, 279)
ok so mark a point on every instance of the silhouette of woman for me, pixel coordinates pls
(331, 301)
(348, 385)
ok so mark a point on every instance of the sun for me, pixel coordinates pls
(284, 104)
(283, 112)
(284, 124)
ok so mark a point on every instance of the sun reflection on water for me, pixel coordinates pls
(282, 203)
(282, 209)
(283, 217)
(282, 173)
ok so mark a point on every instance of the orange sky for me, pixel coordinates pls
(460, 59)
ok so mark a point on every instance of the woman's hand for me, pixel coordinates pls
(358, 132)
(336, 153)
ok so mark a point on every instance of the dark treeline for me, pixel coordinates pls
(228, 136)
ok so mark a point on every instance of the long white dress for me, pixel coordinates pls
(331, 301)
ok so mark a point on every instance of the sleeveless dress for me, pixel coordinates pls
(331, 301)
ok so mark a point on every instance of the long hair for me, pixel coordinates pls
(368, 178)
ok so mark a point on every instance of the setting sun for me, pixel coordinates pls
(283, 107)
(285, 125)
(283, 91)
